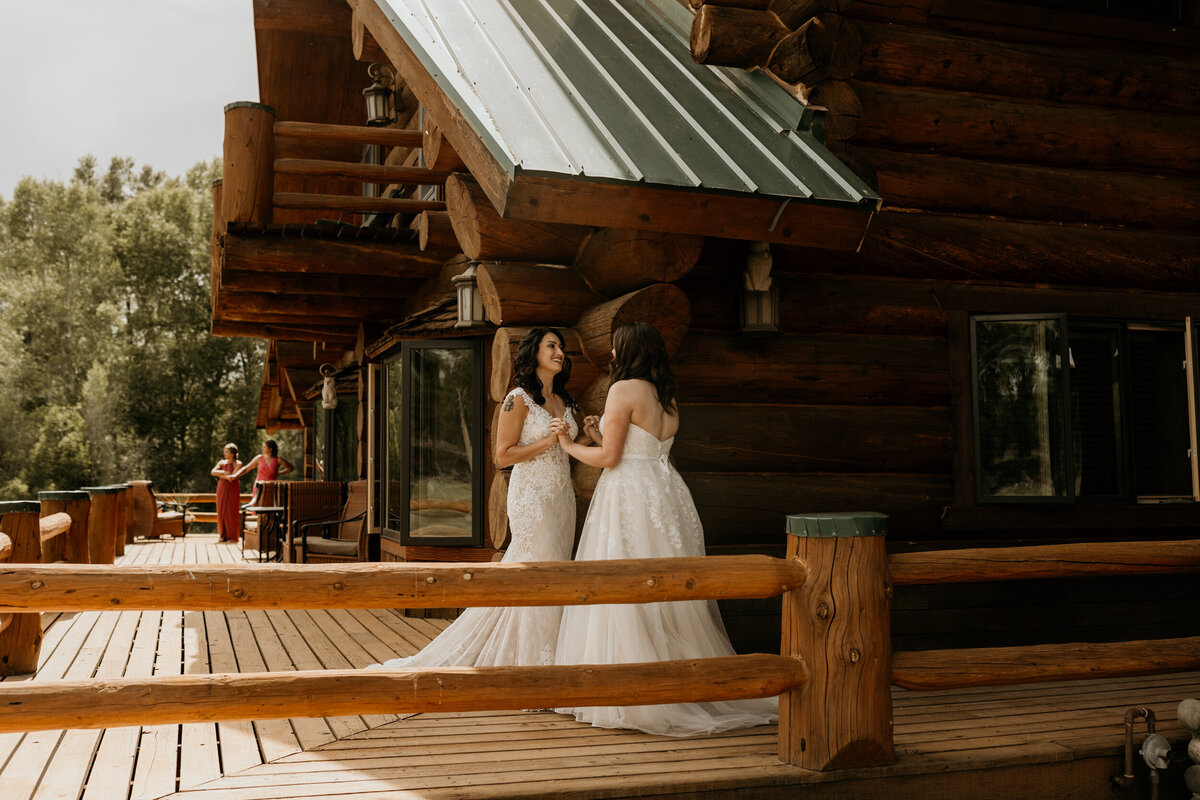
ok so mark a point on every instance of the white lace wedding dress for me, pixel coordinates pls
(541, 513)
(641, 508)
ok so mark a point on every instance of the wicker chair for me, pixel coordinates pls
(310, 501)
(345, 538)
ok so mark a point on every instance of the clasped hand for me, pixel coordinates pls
(560, 429)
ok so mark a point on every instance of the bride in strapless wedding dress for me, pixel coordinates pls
(641, 508)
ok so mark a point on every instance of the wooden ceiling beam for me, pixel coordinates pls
(316, 17)
(261, 330)
(339, 285)
(294, 254)
(304, 305)
(617, 205)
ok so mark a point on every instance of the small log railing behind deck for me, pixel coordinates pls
(250, 167)
(993, 666)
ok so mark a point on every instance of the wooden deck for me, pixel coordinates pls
(1059, 740)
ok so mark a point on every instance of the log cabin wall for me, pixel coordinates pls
(1030, 160)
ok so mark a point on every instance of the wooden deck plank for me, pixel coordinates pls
(310, 731)
(156, 772)
(397, 645)
(239, 746)
(399, 625)
(199, 756)
(275, 736)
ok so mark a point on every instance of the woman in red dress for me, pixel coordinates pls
(270, 466)
(228, 493)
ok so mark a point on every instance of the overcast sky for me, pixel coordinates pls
(141, 78)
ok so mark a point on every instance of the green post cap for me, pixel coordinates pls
(102, 489)
(20, 507)
(63, 496)
(819, 525)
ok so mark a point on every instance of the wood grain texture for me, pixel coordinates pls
(486, 236)
(840, 619)
(72, 587)
(193, 698)
(734, 37)
(532, 294)
(1000, 666)
(1046, 561)
(21, 638)
(248, 155)
(663, 305)
(102, 528)
(615, 261)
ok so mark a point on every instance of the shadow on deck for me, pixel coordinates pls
(1061, 740)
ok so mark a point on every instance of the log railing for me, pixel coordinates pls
(993, 666)
(834, 675)
(250, 166)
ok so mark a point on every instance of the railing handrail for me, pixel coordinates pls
(388, 137)
(194, 698)
(1045, 561)
(54, 525)
(81, 587)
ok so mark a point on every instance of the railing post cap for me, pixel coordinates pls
(102, 489)
(823, 525)
(20, 507)
(250, 104)
(63, 496)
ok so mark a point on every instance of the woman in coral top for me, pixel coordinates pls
(270, 467)
(228, 493)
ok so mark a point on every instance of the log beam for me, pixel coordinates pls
(293, 254)
(931, 670)
(371, 173)
(486, 236)
(434, 232)
(663, 304)
(1045, 561)
(247, 159)
(84, 587)
(504, 353)
(356, 203)
(532, 294)
(363, 44)
(261, 330)
(734, 37)
(826, 46)
(326, 307)
(438, 152)
(350, 286)
(615, 261)
(170, 699)
(356, 134)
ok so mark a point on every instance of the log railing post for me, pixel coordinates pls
(248, 184)
(21, 639)
(75, 505)
(102, 523)
(839, 622)
(124, 517)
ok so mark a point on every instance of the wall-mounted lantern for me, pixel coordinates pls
(329, 398)
(470, 302)
(380, 96)
(760, 295)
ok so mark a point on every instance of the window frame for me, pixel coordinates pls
(402, 360)
(1127, 443)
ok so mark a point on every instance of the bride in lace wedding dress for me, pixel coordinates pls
(541, 512)
(642, 509)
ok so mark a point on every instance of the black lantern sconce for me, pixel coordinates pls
(760, 295)
(380, 96)
(470, 301)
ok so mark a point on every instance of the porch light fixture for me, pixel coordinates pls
(329, 398)
(470, 302)
(380, 96)
(760, 295)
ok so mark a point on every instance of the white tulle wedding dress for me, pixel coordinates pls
(642, 509)
(541, 513)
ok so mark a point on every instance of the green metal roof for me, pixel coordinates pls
(608, 90)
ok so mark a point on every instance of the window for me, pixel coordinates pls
(335, 440)
(433, 433)
(1081, 411)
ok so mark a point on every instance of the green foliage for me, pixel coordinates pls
(104, 315)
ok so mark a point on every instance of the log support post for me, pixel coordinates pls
(102, 523)
(75, 505)
(124, 517)
(21, 638)
(249, 163)
(839, 622)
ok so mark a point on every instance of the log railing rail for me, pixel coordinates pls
(53, 526)
(6, 550)
(250, 166)
(991, 666)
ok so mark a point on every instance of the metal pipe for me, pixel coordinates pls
(1138, 712)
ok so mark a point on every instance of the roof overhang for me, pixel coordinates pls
(595, 114)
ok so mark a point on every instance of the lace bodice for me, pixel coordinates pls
(539, 490)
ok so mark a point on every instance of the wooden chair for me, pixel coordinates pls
(310, 501)
(266, 493)
(345, 538)
(151, 518)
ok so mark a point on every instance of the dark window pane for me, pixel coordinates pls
(320, 427)
(394, 429)
(442, 430)
(1096, 412)
(1022, 431)
(1160, 414)
(345, 440)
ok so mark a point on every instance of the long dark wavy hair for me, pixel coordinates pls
(525, 368)
(640, 353)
